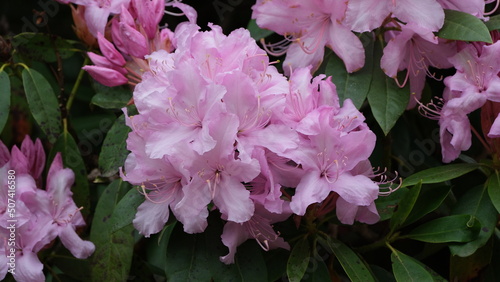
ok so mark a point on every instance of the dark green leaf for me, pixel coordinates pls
(276, 261)
(111, 97)
(454, 228)
(43, 47)
(319, 271)
(126, 209)
(4, 98)
(72, 158)
(463, 26)
(353, 266)
(256, 32)
(387, 204)
(114, 149)
(439, 174)
(157, 248)
(494, 190)
(493, 23)
(405, 207)
(468, 268)
(387, 100)
(382, 274)
(476, 203)
(407, 269)
(354, 86)
(43, 103)
(196, 257)
(298, 260)
(113, 255)
(430, 198)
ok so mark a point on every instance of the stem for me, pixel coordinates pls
(373, 246)
(77, 84)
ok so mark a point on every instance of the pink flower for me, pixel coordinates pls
(310, 26)
(259, 228)
(41, 215)
(367, 15)
(415, 48)
(98, 11)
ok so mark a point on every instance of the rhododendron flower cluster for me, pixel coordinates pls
(218, 124)
(475, 82)
(135, 32)
(41, 215)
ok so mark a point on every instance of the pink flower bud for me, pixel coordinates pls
(106, 76)
(149, 14)
(102, 61)
(134, 41)
(109, 51)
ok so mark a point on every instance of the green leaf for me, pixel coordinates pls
(494, 190)
(476, 203)
(126, 209)
(4, 98)
(43, 47)
(195, 257)
(43, 103)
(439, 174)
(114, 148)
(111, 97)
(387, 204)
(387, 100)
(72, 158)
(454, 228)
(256, 32)
(352, 264)
(463, 26)
(405, 207)
(430, 199)
(157, 248)
(298, 260)
(468, 268)
(354, 86)
(319, 271)
(114, 249)
(407, 269)
(276, 261)
(493, 23)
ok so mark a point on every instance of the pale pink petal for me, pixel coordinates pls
(79, 248)
(347, 47)
(28, 268)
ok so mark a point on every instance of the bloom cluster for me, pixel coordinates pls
(219, 125)
(408, 27)
(41, 215)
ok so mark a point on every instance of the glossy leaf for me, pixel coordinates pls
(493, 23)
(298, 261)
(43, 47)
(319, 271)
(72, 159)
(468, 268)
(387, 204)
(454, 228)
(405, 206)
(114, 148)
(440, 174)
(350, 261)
(406, 268)
(494, 190)
(430, 199)
(43, 103)
(157, 248)
(463, 26)
(256, 32)
(476, 203)
(387, 100)
(126, 209)
(195, 257)
(4, 98)
(354, 86)
(114, 249)
(111, 97)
